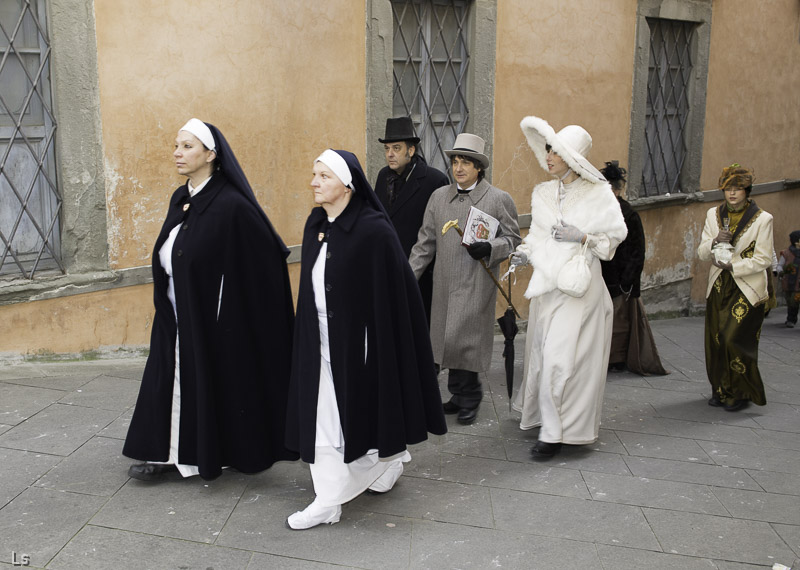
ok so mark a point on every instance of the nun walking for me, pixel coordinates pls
(215, 384)
(569, 331)
(363, 382)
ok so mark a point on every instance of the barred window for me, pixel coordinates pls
(667, 112)
(431, 57)
(29, 197)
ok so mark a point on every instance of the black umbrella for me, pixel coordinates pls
(508, 324)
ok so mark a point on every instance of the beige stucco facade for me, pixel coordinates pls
(285, 80)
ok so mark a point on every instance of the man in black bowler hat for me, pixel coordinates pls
(404, 186)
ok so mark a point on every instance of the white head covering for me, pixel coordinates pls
(199, 129)
(572, 144)
(337, 164)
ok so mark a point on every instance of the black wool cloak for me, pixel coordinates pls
(389, 397)
(235, 324)
(623, 272)
(408, 211)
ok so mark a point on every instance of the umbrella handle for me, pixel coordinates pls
(454, 224)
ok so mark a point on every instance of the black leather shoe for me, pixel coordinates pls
(736, 406)
(544, 450)
(714, 401)
(149, 471)
(466, 417)
(450, 408)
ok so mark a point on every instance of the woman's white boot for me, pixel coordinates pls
(385, 482)
(313, 515)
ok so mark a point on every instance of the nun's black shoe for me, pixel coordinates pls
(450, 408)
(715, 401)
(466, 417)
(736, 406)
(149, 471)
(545, 450)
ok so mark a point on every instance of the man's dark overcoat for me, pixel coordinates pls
(623, 272)
(408, 211)
(386, 388)
(235, 338)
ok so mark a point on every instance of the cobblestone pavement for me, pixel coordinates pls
(671, 484)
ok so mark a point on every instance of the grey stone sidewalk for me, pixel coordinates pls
(672, 483)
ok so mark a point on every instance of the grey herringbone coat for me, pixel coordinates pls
(463, 307)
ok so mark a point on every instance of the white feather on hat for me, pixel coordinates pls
(572, 144)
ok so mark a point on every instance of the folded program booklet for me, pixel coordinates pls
(480, 226)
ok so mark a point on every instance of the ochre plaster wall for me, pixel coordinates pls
(282, 81)
(752, 115)
(564, 73)
(118, 317)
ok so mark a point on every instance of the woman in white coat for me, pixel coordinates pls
(569, 337)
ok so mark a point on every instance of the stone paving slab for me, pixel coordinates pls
(437, 545)
(779, 483)
(19, 468)
(663, 447)
(40, 522)
(753, 457)
(433, 500)
(65, 383)
(722, 538)
(193, 510)
(632, 559)
(104, 393)
(118, 429)
(686, 472)
(18, 403)
(760, 506)
(643, 492)
(58, 429)
(672, 483)
(791, 535)
(99, 548)
(529, 477)
(590, 521)
(96, 468)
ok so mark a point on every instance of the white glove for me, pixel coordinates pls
(567, 233)
(519, 259)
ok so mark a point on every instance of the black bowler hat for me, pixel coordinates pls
(399, 129)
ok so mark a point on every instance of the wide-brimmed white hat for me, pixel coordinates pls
(469, 145)
(572, 144)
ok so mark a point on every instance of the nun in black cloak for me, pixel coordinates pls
(363, 382)
(215, 384)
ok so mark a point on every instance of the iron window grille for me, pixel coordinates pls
(431, 57)
(30, 201)
(668, 84)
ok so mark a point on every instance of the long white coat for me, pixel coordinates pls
(463, 305)
(569, 338)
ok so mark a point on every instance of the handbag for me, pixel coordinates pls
(575, 277)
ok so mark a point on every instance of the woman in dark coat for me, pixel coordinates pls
(363, 382)
(215, 384)
(632, 343)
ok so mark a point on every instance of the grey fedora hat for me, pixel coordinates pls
(469, 145)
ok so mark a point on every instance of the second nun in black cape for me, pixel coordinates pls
(374, 368)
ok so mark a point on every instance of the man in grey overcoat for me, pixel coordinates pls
(463, 306)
